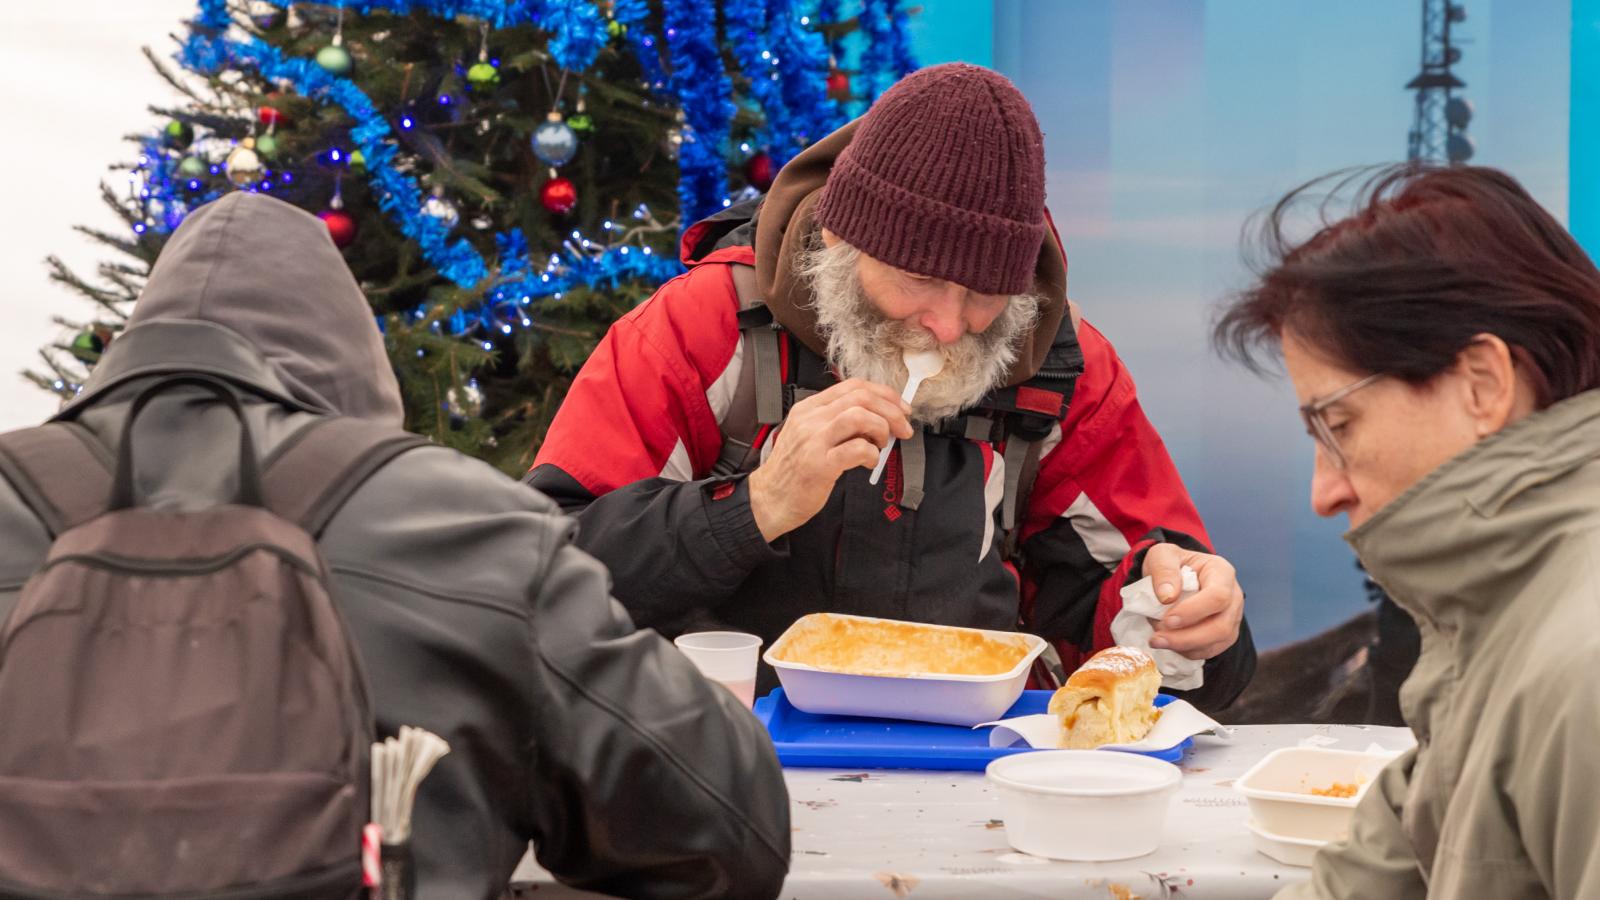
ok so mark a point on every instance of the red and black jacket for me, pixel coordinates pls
(631, 453)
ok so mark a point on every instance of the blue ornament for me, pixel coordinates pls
(554, 142)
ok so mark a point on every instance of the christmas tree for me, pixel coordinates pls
(505, 177)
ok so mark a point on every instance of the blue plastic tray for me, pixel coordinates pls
(848, 742)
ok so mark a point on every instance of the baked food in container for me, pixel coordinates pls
(1109, 700)
(841, 665)
(863, 646)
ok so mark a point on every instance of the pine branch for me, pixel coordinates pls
(221, 123)
(55, 367)
(125, 209)
(108, 268)
(60, 273)
(170, 77)
(126, 245)
(48, 384)
(447, 169)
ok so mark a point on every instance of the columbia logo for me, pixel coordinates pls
(892, 512)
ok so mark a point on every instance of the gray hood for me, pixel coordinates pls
(268, 272)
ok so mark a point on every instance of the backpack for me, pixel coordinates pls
(1014, 421)
(185, 714)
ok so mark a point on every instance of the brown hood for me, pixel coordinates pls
(786, 225)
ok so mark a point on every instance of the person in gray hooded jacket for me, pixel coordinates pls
(471, 611)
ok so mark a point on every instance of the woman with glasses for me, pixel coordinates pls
(1443, 338)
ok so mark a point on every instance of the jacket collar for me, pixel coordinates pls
(164, 347)
(1460, 546)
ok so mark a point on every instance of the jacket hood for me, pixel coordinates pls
(268, 272)
(1459, 546)
(785, 228)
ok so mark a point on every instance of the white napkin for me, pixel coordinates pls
(1178, 720)
(1135, 624)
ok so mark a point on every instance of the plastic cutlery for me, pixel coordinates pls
(920, 366)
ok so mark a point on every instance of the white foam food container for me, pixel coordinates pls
(1084, 805)
(1279, 790)
(916, 696)
(1287, 850)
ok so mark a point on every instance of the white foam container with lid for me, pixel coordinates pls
(942, 699)
(1084, 805)
(1287, 850)
(1279, 790)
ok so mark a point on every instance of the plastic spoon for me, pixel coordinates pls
(920, 366)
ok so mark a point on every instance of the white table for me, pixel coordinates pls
(881, 834)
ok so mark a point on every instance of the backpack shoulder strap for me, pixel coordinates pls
(1054, 384)
(758, 326)
(311, 475)
(758, 395)
(60, 471)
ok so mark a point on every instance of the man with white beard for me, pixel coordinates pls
(717, 446)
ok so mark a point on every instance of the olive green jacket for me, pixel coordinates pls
(1496, 554)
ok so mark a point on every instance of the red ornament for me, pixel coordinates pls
(559, 196)
(271, 116)
(341, 227)
(839, 85)
(760, 171)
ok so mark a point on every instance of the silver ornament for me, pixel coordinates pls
(554, 142)
(243, 165)
(443, 210)
(465, 399)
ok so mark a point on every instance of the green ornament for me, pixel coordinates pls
(483, 75)
(179, 134)
(580, 122)
(358, 161)
(191, 167)
(335, 60)
(266, 145)
(616, 29)
(87, 346)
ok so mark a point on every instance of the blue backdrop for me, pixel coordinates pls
(1168, 122)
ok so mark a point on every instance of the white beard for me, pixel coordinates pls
(863, 343)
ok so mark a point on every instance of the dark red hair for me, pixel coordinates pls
(1425, 259)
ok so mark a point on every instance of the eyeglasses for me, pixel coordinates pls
(1317, 426)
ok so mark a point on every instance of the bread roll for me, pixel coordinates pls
(1109, 700)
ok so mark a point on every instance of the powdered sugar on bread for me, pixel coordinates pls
(1119, 661)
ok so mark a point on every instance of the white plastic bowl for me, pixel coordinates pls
(1279, 790)
(943, 699)
(1084, 805)
(1287, 850)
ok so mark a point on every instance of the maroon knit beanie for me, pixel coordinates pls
(945, 178)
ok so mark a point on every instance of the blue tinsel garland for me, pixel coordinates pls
(794, 103)
(828, 11)
(702, 88)
(901, 59)
(743, 24)
(634, 15)
(876, 64)
(577, 32)
(399, 196)
(802, 63)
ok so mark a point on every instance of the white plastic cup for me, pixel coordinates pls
(726, 657)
